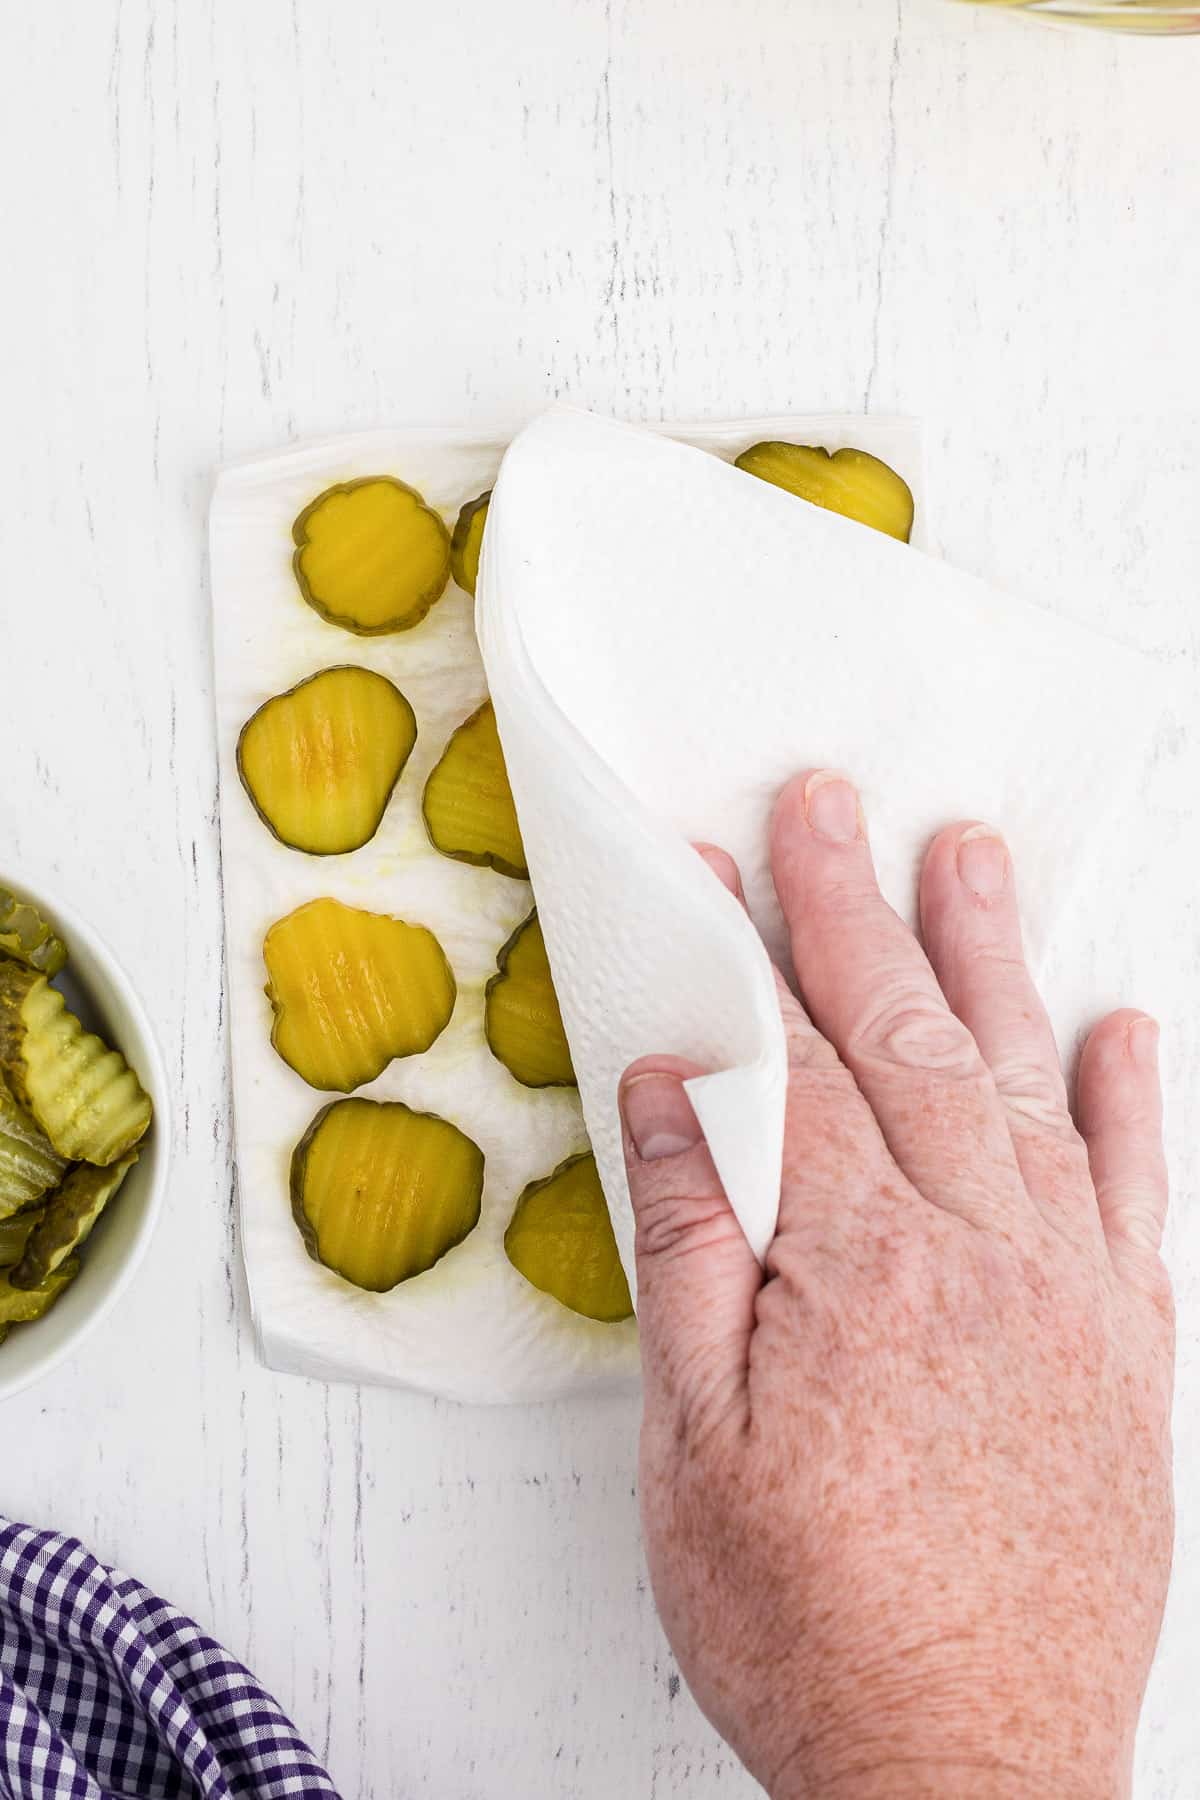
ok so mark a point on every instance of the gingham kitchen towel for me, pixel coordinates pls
(108, 1693)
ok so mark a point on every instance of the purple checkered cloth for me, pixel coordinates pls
(108, 1693)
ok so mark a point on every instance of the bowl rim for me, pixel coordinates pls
(75, 929)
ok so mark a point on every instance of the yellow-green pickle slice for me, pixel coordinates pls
(521, 1014)
(561, 1240)
(16, 1232)
(25, 935)
(29, 1164)
(468, 804)
(352, 990)
(320, 762)
(371, 556)
(67, 1220)
(849, 482)
(83, 1096)
(467, 542)
(381, 1193)
(18, 1306)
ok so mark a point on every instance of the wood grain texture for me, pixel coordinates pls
(227, 224)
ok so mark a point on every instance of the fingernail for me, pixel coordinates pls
(1142, 1039)
(659, 1117)
(831, 807)
(982, 861)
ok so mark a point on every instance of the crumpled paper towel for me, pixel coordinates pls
(667, 640)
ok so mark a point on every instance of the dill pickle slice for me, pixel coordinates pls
(467, 541)
(353, 990)
(522, 1020)
(19, 1305)
(25, 935)
(849, 482)
(29, 1165)
(16, 1232)
(371, 556)
(468, 804)
(67, 1220)
(381, 1193)
(320, 761)
(83, 1095)
(561, 1240)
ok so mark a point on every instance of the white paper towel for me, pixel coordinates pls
(667, 640)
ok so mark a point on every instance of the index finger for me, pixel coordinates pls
(870, 990)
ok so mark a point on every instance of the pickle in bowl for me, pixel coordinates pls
(73, 1116)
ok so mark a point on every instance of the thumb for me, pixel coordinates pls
(697, 1276)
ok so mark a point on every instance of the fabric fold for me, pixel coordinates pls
(108, 1691)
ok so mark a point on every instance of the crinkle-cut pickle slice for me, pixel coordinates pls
(25, 935)
(352, 990)
(561, 1240)
(521, 1015)
(29, 1164)
(371, 556)
(83, 1095)
(16, 1232)
(19, 1305)
(320, 762)
(381, 1193)
(849, 482)
(467, 542)
(468, 804)
(67, 1220)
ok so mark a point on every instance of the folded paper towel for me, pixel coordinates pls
(667, 640)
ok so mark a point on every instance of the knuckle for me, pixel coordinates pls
(907, 1026)
(1135, 1216)
(996, 965)
(1039, 1100)
(1037, 1095)
(672, 1224)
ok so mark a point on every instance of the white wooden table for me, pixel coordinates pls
(229, 222)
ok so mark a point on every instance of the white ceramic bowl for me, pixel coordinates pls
(98, 989)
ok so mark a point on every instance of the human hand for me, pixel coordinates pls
(907, 1492)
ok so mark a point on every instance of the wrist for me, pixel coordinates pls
(958, 1720)
(982, 1778)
